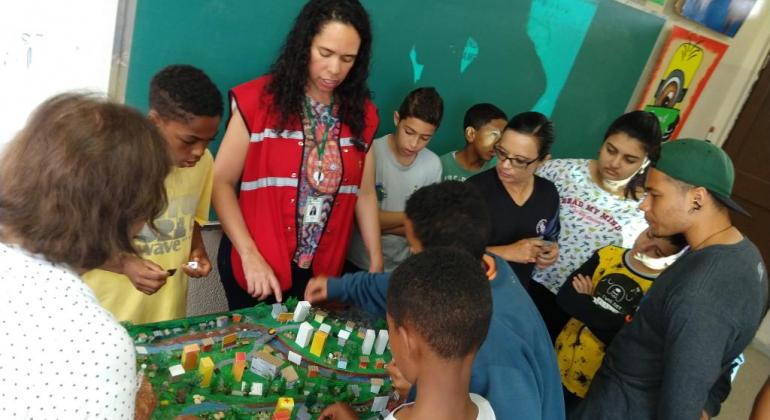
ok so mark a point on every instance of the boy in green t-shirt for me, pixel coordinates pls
(483, 124)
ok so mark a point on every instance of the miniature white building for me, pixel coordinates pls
(375, 384)
(325, 328)
(381, 342)
(366, 348)
(277, 308)
(304, 334)
(301, 311)
(222, 321)
(295, 358)
(342, 337)
(342, 363)
(256, 389)
(175, 372)
(380, 403)
(265, 365)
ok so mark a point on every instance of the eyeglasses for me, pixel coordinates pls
(514, 161)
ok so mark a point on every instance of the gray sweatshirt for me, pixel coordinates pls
(672, 360)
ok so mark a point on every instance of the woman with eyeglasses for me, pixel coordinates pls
(599, 204)
(523, 207)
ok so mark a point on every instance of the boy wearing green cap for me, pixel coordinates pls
(673, 360)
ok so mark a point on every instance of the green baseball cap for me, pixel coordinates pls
(702, 164)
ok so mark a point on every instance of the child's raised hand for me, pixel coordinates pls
(146, 276)
(338, 411)
(316, 290)
(203, 266)
(583, 284)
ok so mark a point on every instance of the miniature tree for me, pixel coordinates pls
(291, 303)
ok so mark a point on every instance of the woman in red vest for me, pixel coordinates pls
(293, 166)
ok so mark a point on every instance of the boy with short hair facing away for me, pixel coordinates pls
(187, 108)
(403, 165)
(439, 309)
(483, 125)
(515, 368)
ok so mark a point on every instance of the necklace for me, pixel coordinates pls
(318, 175)
(697, 247)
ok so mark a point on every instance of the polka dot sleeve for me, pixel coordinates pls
(61, 354)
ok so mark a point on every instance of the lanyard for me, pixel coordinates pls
(309, 112)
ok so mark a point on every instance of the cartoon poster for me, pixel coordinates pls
(725, 16)
(682, 71)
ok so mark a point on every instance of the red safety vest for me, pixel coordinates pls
(269, 185)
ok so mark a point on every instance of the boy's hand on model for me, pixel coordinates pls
(146, 276)
(316, 290)
(549, 254)
(338, 411)
(583, 284)
(400, 384)
(203, 266)
(260, 279)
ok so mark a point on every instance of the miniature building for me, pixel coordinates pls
(237, 318)
(319, 339)
(190, 356)
(342, 337)
(222, 321)
(312, 371)
(379, 364)
(363, 362)
(320, 316)
(375, 385)
(290, 375)
(267, 349)
(207, 344)
(295, 358)
(350, 325)
(325, 328)
(175, 372)
(229, 340)
(239, 365)
(366, 348)
(285, 317)
(265, 365)
(276, 309)
(283, 408)
(206, 369)
(342, 363)
(157, 333)
(381, 342)
(256, 389)
(304, 333)
(380, 403)
(301, 311)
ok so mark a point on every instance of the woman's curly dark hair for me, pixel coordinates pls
(290, 69)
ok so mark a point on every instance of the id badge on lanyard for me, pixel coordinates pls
(313, 209)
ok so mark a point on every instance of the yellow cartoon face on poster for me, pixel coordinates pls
(684, 66)
(672, 89)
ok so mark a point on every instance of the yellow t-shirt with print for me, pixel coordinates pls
(189, 198)
(617, 288)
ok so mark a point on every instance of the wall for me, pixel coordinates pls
(729, 86)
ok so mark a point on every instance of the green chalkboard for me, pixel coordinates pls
(575, 60)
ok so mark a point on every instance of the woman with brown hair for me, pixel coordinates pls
(76, 184)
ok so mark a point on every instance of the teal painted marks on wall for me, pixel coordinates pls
(416, 67)
(470, 52)
(558, 29)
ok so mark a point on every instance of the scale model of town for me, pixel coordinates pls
(285, 361)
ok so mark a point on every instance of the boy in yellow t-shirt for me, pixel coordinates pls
(187, 108)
